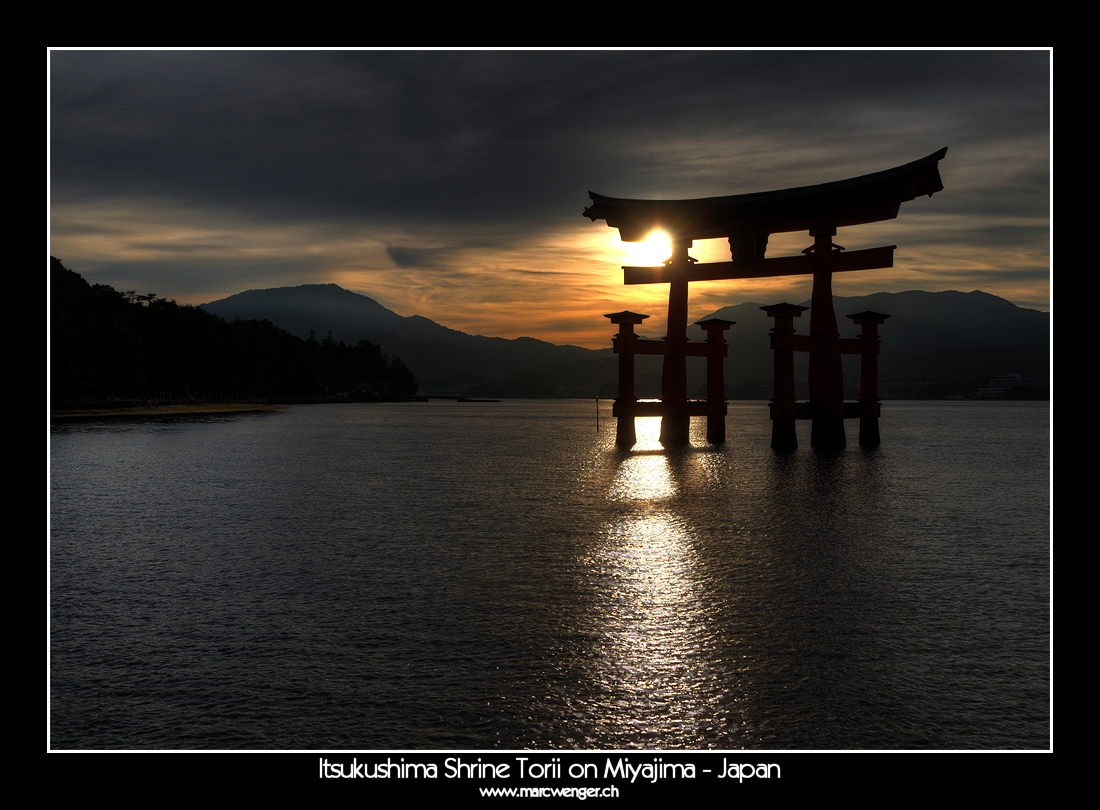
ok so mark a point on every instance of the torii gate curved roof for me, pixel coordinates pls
(752, 217)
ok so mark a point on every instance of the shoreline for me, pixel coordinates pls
(142, 412)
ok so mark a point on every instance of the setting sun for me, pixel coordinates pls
(653, 250)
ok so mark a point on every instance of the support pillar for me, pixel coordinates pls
(784, 437)
(716, 382)
(870, 406)
(675, 421)
(626, 403)
(826, 372)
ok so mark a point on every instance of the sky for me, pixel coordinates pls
(450, 184)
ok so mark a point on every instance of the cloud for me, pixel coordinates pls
(457, 178)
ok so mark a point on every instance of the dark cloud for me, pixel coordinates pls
(468, 137)
(418, 257)
(419, 177)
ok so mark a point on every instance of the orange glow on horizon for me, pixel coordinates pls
(554, 285)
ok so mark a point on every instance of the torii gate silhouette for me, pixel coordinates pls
(747, 221)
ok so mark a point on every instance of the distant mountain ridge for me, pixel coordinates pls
(309, 306)
(943, 335)
(924, 321)
(445, 360)
(951, 334)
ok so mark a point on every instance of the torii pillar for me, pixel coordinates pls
(783, 414)
(826, 373)
(870, 406)
(626, 403)
(675, 419)
(716, 378)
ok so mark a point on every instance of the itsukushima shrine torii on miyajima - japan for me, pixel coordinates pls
(747, 220)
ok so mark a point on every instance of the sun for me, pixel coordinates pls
(653, 250)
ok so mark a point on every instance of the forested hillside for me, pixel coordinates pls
(108, 345)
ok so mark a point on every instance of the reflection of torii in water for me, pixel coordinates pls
(747, 220)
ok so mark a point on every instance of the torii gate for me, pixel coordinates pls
(747, 220)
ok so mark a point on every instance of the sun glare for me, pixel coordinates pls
(653, 250)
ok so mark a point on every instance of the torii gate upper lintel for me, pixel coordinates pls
(747, 221)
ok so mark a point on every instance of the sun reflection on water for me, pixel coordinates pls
(642, 478)
(656, 674)
(648, 430)
(652, 669)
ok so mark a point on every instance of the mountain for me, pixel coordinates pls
(444, 360)
(931, 339)
(924, 321)
(948, 336)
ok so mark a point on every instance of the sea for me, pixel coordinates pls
(476, 576)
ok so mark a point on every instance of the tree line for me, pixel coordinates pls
(108, 346)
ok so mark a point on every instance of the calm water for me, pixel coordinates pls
(446, 575)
